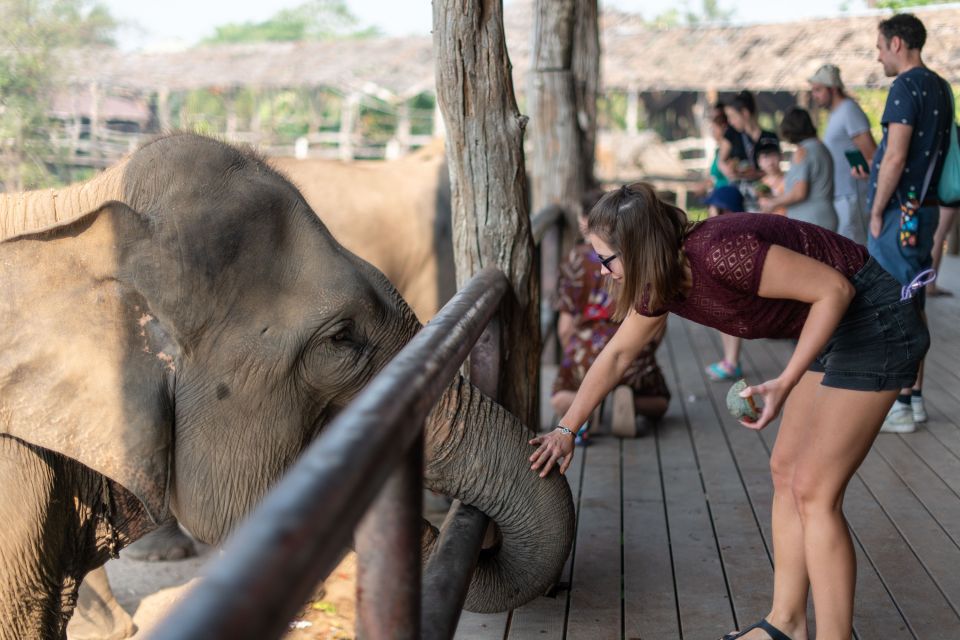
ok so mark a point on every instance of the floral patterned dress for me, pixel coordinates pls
(582, 294)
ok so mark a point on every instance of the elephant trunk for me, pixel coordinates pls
(35, 211)
(478, 452)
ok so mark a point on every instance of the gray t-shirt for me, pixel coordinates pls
(845, 122)
(816, 169)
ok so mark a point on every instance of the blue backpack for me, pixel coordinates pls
(948, 189)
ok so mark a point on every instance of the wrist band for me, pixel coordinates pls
(564, 430)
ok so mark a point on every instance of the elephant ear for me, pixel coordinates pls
(86, 364)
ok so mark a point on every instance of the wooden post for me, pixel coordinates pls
(633, 110)
(163, 109)
(399, 144)
(95, 151)
(586, 75)
(703, 114)
(184, 115)
(348, 115)
(557, 155)
(403, 128)
(438, 129)
(491, 224)
(230, 104)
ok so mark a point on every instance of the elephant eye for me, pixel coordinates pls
(343, 335)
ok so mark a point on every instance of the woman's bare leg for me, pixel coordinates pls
(844, 426)
(790, 583)
(824, 436)
(731, 349)
(652, 407)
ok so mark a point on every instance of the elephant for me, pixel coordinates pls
(393, 214)
(175, 332)
(396, 216)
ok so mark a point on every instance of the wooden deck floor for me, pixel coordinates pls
(673, 533)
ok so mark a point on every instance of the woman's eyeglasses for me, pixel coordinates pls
(606, 261)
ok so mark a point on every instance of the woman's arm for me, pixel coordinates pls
(607, 370)
(724, 162)
(791, 275)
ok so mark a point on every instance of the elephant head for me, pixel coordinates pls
(185, 325)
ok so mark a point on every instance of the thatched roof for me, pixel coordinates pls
(764, 57)
(403, 66)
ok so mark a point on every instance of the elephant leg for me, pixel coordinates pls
(98, 615)
(167, 542)
(46, 534)
(55, 531)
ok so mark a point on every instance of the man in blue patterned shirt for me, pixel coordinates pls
(905, 172)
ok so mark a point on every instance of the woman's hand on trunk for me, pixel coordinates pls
(555, 447)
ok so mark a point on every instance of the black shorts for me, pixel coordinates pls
(880, 340)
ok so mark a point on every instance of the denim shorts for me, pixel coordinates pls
(880, 340)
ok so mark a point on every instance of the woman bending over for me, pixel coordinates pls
(859, 340)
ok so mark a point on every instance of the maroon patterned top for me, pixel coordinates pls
(726, 256)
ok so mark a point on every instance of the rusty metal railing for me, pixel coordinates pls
(369, 455)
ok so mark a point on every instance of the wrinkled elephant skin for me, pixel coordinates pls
(175, 332)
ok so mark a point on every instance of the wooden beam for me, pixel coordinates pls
(491, 224)
(348, 117)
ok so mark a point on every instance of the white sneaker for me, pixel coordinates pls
(899, 419)
(919, 410)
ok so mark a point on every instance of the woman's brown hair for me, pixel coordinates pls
(647, 234)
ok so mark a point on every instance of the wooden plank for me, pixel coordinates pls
(915, 594)
(595, 599)
(650, 605)
(546, 617)
(931, 451)
(482, 626)
(702, 596)
(922, 507)
(731, 457)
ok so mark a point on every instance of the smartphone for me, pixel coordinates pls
(856, 159)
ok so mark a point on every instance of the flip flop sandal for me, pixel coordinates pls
(720, 371)
(771, 630)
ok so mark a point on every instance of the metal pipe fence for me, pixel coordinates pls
(295, 537)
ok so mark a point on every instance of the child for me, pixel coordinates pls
(771, 184)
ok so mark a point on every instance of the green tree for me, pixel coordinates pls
(710, 13)
(313, 20)
(31, 33)
(896, 5)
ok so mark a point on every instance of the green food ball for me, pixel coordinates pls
(742, 408)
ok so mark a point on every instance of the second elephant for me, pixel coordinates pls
(394, 214)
